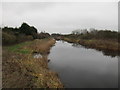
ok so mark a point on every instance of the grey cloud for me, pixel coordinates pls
(62, 17)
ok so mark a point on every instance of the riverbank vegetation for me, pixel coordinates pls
(24, 33)
(105, 40)
(25, 54)
(20, 67)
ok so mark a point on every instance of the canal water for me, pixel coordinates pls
(80, 67)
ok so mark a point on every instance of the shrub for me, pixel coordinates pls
(22, 38)
(8, 38)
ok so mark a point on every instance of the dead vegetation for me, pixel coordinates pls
(22, 70)
(99, 44)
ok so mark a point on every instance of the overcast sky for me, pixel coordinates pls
(61, 17)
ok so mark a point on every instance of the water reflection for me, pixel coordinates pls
(105, 52)
(83, 68)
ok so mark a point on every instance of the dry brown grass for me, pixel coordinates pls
(22, 70)
(101, 44)
(41, 46)
(97, 44)
(70, 40)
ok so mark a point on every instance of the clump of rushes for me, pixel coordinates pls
(24, 71)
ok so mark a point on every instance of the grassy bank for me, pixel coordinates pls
(103, 40)
(99, 44)
(21, 69)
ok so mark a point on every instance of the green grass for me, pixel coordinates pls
(18, 48)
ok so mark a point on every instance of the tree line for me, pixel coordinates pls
(92, 34)
(23, 33)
